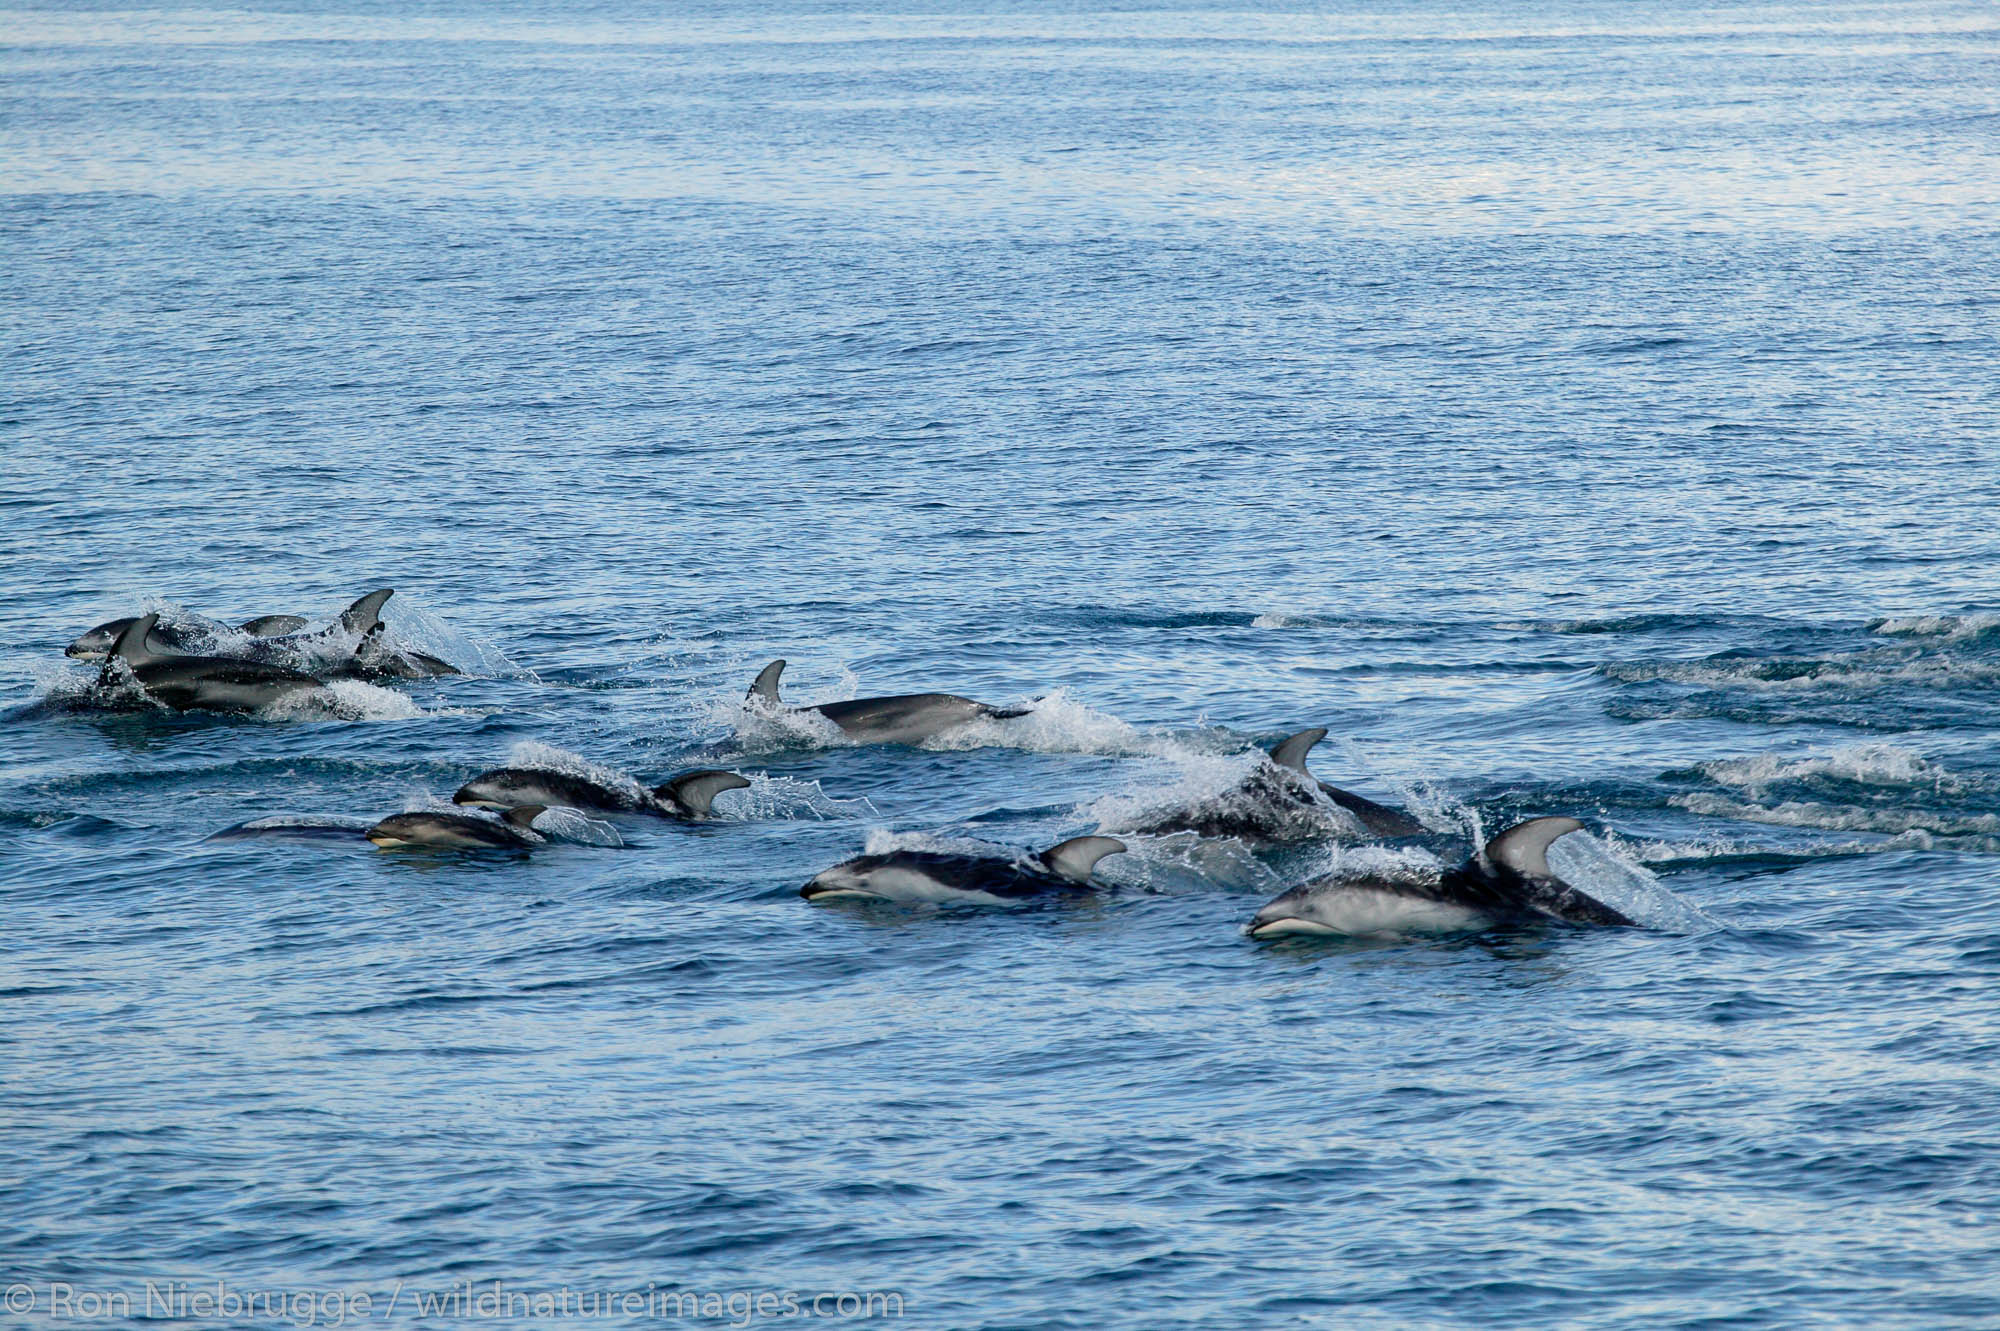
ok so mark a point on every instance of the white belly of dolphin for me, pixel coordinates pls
(1361, 913)
(896, 884)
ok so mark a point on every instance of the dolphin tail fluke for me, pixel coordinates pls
(1524, 848)
(766, 684)
(523, 815)
(1292, 752)
(1076, 857)
(365, 615)
(696, 791)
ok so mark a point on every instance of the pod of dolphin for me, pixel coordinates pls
(196, 663)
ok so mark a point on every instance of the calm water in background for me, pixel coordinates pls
(1578, 408)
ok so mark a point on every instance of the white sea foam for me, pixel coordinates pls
(1186, 862)
(771, 798)
(1936, 626)
(1841, 817)
(1608, 872)
(758, 726)
(412, 625)
(344, 700)
(548, 758)
(1055, 723)
(1777, 675)
(1863, 764)
(1192, 780)
(564, 824)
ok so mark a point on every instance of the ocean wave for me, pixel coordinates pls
(1878, 764)
(1841, 817)
(1947, 627)
(1797, 674)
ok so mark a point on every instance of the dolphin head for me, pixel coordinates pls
(489, 790)
(96, 644)
(848, 880)
(1289, 913)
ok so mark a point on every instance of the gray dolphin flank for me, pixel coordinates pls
(984, 880)
(908, 718)
(688, 797)
(1276, 802)
(272, 626)
(1508, 883)
(185, 633)
(442, 829)
(209, 683)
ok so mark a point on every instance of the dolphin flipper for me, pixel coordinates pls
(696, 791)
(1076, 857)
(1292, 752)
(523, 815)
(1524, 848)
(766, 685)
(365, 615)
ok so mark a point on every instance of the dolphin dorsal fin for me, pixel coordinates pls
(132, 646)
(365, 615)
(696, 791)
(523, 815)
(766, 684)
(1524, 847)
(1292, 752)
(1076, 857)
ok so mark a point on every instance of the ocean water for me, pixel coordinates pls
(1578, 408)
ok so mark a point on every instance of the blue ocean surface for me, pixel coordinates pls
(1577, 407)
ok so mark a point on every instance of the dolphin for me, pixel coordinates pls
(1266, 805)
(1507, 883)
(686, 797)
(925, 875)
(214, 683)
(908, 718)
(442, 830)
(186, 633)
(355, 646)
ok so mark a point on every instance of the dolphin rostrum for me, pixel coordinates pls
(687, 797)
(908, 718)
(213, 683)
(1268, 804)
(1507, 883)
(440, 829)
(927, 875)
